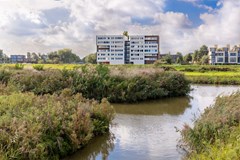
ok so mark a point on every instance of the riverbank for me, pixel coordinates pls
(51, 113)
(97, 82)
(215, 134)
(49, 126)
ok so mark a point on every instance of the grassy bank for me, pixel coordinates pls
(96, 82)
(51, 113)
(49, 126)
(215, 134)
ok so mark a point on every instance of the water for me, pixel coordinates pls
(147, 131)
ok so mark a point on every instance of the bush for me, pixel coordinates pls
(97, 83)
(5, 76)
(38, 67)
(49, 126)
(215, 130)
(19, 66)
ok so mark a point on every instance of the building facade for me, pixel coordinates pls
(224, 55)
(110, 49)
(118, 49)
(17, 58)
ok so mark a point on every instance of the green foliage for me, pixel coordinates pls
(63, 56)
(19, 66)
(125, 33)
(49, 126)
(38, 67)
(167, 59)
(187, 58)
(5, 76)
(215, 134)
(97, 82)
(91, 58)
(205, 59)
(180, 58)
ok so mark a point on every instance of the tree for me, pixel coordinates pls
(1, 55)
(203, 51)
(35, 57)
(91, 58)
(205, 59)
(188, 58)
(125, 33)
(195, 56)
(66, 56)
(180, 58)
(167, 58)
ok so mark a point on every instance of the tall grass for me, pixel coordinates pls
(215, 134)
(97, 82)
(49, 126)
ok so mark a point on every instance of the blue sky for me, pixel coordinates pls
(183, 25)
(191, 9)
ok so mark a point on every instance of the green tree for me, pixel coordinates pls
(125, 33)
(91, 58)
(196, 56)
(180, 58)
(66, 56)
(187, 58)
(203, 51)
(205, 59)
(167, 58)
(1, 55)
(35, 57)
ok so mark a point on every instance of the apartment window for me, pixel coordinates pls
(118, 50)
(219, 54)
(220, 59)
(101, 38)
(118, 42)
(118, 37)
(233, 54)
(233, 59)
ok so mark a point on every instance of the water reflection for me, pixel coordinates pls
(147, 130)
(99, 147)
(171, 106)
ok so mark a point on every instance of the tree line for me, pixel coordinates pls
(199, 57)
(56, 57)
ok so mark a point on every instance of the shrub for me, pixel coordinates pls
(38, 67)
(19, 66)
(49, 126)
(97, 83)
(5, 76)
(216, 128)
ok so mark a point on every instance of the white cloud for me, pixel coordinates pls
(46, 25)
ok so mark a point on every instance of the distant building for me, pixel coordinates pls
(118, 49)
(224, 55)
(17, 58)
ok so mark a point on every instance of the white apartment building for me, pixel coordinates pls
(144, 49)
(118, 49)
(110, 49)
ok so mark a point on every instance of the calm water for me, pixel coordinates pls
(147, 131)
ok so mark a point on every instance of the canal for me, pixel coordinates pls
(147, 131)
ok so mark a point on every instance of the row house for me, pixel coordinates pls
(224, 55)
